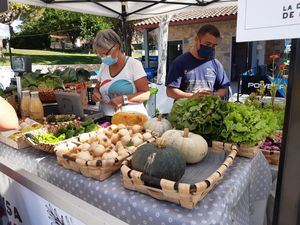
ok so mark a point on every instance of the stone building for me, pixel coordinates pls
(235, 57)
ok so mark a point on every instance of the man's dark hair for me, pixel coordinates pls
(209, 29)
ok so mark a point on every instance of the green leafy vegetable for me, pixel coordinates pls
(215, 119)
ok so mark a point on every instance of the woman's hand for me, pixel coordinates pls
(96, 95)
(117, 101)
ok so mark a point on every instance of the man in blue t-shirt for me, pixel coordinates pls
(197, 73)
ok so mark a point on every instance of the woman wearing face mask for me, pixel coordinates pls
(197, 73)
(123, 84)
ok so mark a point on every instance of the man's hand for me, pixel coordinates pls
(96, 96)
(201, 93)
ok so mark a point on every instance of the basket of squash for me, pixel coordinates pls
(163, 169)
(101, 155)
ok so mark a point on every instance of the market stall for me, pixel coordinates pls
(240, 194)
(244, 182)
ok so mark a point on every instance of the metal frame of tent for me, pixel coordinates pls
(123, 15)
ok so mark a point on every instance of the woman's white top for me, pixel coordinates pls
(121, 84)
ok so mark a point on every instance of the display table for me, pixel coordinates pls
(247, 182)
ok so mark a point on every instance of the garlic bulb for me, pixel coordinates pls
(108, 132)
(84, 137)
(125, 139)
(119, 145)
(121, 126)
(114, 138)
(85, 147)
(114, 128)
(110, 154)
(137, 141)
(84, 156)
(139, 135)
(105, 142)
(136, 129)
(147, 136)
(99, 150)
(123, 132)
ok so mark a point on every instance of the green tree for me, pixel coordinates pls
(90, 25)
(19, 11)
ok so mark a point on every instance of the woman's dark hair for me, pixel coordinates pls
(209, 29)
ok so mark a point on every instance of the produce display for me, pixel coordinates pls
(129, 118)
(202, 116)
(248, 125)
(59, 118)
(272, 143)
(158, 125)
(192, 146)
(52, 81)
(215, 119)
(24, 127)
(108, 143)
(15, 138)
(63, 133)
(159, 160)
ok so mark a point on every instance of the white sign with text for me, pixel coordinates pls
(268, 20)
(22, 206)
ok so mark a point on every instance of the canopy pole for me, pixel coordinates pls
(288, 183)
(124, 30)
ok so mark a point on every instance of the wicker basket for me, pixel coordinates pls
(97, 169)
(244, 151)
(271, 156)
(53, 127)
(45, 147)
(184, 194)
(47, 96)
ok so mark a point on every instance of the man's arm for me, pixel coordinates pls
(221, 92)
(176, 93)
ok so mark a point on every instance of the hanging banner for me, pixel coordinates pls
(20, 206)
(268, 20)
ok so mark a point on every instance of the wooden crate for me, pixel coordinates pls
(186, 195)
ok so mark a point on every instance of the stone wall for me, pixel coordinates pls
(187, 34)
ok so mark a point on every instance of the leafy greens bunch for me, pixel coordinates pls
(215, 119)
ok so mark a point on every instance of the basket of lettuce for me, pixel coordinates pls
(221, 122)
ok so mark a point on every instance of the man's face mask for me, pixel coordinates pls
(206, 52)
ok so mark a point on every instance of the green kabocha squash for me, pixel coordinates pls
(160, 161)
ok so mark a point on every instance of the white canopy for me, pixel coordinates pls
(129, 10)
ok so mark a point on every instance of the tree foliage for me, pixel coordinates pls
(19, 11)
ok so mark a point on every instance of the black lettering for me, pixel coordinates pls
(17, 215)
(8, 209)
(290, 7)
(298, 6)
(292, 14)
(284, 9)
(285, 15)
